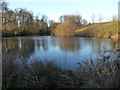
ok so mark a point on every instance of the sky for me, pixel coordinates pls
(55, 8)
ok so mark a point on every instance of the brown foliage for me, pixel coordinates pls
(65, 29)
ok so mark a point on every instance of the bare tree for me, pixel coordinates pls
(93, 18)
(114, 18)
(61, 19)
(4, 11)
(100, 18)
(84, 22)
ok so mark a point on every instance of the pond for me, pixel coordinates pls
(66, 52)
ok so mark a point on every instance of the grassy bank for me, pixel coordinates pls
(101, 73)
(106, 29)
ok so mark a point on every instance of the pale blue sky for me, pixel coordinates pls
(54, 9)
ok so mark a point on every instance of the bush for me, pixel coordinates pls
(65, 29)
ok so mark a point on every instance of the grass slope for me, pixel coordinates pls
(106, 29)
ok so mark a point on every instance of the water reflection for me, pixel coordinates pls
(21, 46)
(68, 44)
(67, 51)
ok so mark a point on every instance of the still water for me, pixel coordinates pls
(66, 52)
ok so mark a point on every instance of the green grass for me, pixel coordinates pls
(106, 29)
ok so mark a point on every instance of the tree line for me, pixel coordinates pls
(68, 24)
(22, 22)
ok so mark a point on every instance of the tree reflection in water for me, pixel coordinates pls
(65, 50)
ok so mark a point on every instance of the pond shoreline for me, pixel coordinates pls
(112, 37)
(53, 66)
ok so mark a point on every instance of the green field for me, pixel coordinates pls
(105, 29)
